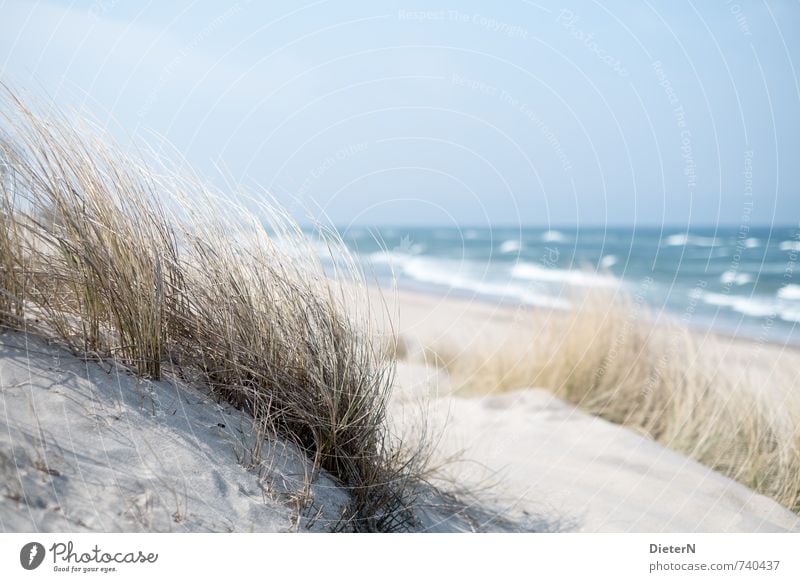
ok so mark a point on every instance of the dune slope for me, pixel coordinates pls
(87, 446)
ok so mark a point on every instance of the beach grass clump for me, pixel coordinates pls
(694, 394)
(118, 257)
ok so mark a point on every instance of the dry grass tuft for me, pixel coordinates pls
(697, 395)
(117, 259)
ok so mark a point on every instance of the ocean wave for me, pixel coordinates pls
(718, 252)
(789, 293)
(755, 306)
(532, 272)
(734, 278)
(683, 239)
(395, 259)
(608, 261)
(356, 234)
(752, 243)
(791, 314)
(745, 305)
(554, 236)
(790, 245)
(454, 275)
(510, 246)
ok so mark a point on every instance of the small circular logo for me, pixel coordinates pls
(31, 555)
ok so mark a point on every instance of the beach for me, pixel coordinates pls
(549, 459)
(520, 275)
(89, 447)
(735, 280)
(174, 359)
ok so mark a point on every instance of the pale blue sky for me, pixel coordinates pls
(445, 112)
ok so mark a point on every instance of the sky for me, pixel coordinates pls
(442, 112)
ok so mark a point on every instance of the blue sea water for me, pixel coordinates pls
(741, 281)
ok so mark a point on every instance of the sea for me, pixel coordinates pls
(742, 281)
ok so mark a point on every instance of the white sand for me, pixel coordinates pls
(88, 447)
(550, 461)
(575, 472)
(85, 446)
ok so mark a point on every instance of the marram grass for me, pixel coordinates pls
(118, 257)
(732, 407)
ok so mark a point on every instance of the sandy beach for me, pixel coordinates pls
(549, 459)
(86, 446)
(174, 360)
(286, 271)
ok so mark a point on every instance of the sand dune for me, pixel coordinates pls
(546, 458)
(87, 446)
(580, 473)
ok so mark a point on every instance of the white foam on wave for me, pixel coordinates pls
(553, 236)
(532, 272)
(790, 245)
(676, 240)
(758, 306)
(683, 239)
(608, 261)
(752, 243)
(789, 292)
(393, 258)
(745, 305)
(734, 278)
(510, 246)
(452, 275)
(791, 314)
(440, 273)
